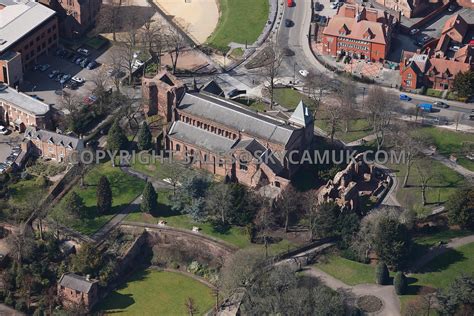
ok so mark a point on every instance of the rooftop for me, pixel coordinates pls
(18, 18)
(55, 138)
(76, 282)
(22, 101)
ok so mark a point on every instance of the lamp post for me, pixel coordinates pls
(294, 73)
(363, 96)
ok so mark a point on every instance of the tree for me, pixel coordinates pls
(287, 204)
(426, 174)
(344, 96)
(191, 306)
(410, 146)
(333, 113)
(73, 204)
(464, 83)
(264, 221)
(400, 283)
(190, 196)
(108, 18)
(116, 139)
(175, 44)
(104, 195)
(271, 69)
(460, 206)
(144, 137)
(381, 273)
(314, 85)
(326, 220)
(312, 207)
(219, 202)
(87, 260)
(149, 199)
(458, 298)
(392, 242)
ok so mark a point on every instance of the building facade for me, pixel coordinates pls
(27, 28)
(78, 291)
(222, 137)
(47, 144)
(19, 110)
(360, 32)
(76, 17)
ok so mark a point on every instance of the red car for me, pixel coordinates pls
(90, 99)
(291, 3)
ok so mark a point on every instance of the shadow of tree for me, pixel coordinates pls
(443, 261)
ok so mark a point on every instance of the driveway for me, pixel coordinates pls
(7, 142)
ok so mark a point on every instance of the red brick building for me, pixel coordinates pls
(360, 32)
(75, 16)
(47, 144)
(413, 67)
(27, 28)
(222, 137)
(76, 291)
(20, 110)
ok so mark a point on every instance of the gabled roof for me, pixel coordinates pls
(235, 117)
(76, 282)
(66, 141)
(464, 54)
(213, 88)
(301, 116)
(446, 66)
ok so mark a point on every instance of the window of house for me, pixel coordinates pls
(408, 82)
(178, 147)
(409, 76)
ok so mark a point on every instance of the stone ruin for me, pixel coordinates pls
(356, 180)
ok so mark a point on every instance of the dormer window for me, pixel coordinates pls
(368, 34)
(344, 30)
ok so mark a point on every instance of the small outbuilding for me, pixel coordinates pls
(78, 291)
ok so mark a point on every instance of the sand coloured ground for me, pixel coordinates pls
(198, 17)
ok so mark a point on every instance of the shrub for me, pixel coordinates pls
(381, 274)
(400, 283)
(41, 181)
(9, 299)
(21, 306)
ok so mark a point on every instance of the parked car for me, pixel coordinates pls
(78, 79)
(90, 99)
(454, 48)
(65, 79)
(316, 18)
(73, 58)
(318, 6)
(53, 74)
(288, 23)
(471, 116)
(414, 31)
(73, 85)
(83, 51)
(84, 62)
(425, 107)
(404, 97)
(3, 167)
(323, 20)
(440, 104)
(452, 7)
(236, 92)
(91, 65)
(3, 130)
(138, 63)
(79, 60)
(59, 76)
(422, 40)
(290, 3)
(304, 72)
(334, 5)
(44, 67)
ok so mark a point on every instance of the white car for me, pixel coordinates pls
(334, 5)
(414, 31)
(83, 51)
(3, 130)
(138, 63)
(78, 79)
(304, 72)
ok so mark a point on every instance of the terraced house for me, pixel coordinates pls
(226, 139)
(360, 32)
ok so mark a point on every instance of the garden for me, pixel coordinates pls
(153, 292)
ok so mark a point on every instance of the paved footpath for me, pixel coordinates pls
(386, 293)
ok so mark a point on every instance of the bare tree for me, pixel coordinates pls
(312, 206)
(108, 19)
(264, 221)
(426, 175)
(409, 145)
(315, 85)
(126, 50)
(271, 69)
(457, 119)
(116, 62)
(380, 105)
(191, 306)
(287, 204)
(151, 36)
(345, 97)
(333, 113)
(175, 43)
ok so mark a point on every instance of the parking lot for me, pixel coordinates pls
(39, 84)
(9, 145)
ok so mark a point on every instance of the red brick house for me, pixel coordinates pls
(360, 32)
(453, 33)
(226, 139)
(412, 70)
(76, 17)
(77, 291)
(47, 144)
(441, 73)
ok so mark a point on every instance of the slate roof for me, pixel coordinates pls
(76, 282)
(213, 88)
(202, 138)
(58, 139)
(301, 116)
(23, 101)
(235, 117)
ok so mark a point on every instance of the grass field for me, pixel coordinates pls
(240, 21)
(150, 292)
(358, 128)
(155, 168)
(444, 183)
(253, 104)
(125, 189)
(289, 98)
(24, 190)
(348, 271)
(448, 142)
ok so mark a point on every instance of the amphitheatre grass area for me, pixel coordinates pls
(240, 21)
(151, 292)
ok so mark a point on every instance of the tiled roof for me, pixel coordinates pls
(76, 282)
(441, 66)
(58, 139)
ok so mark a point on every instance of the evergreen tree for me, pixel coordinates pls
(116, 138)
(144, 137)
(104, 196)
(460, 208)
(392, 242)
(149, 199)
(381, 274)
(74, 205)
(400, 283)
(464, 83)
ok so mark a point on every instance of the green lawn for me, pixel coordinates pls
(125, 189)
(358, 128)
(449, 142)
(289, 98)
(444, 183)
(443, 236)
(151, 292)
(24, 190)
(348, 271)
(240, 21)
(252, 104)
(154, 168)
